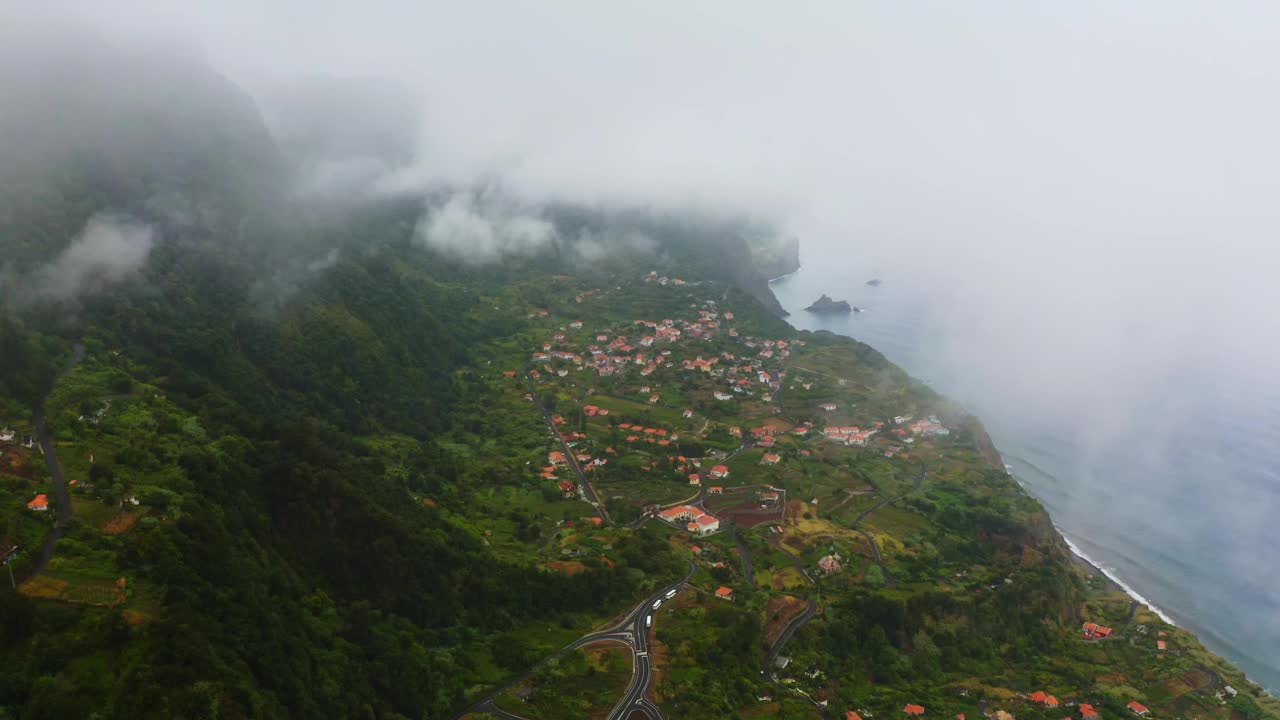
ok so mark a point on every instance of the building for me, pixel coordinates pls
(913, 710)
(695, 479)
(829, 564)
(715, 490)
(706, 524)
(1138, 708)
(724, 592)
(39, 503)
(696, 520)
(718, 472)
(770, 459)
(1087, 712)
(1093, 631)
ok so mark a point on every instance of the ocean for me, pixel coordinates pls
(1179, 503)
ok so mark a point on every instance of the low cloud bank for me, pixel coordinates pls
(480, 230)
(108, 251)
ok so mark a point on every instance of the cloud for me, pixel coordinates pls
(324, 262)
(480, 231)
(110, 250)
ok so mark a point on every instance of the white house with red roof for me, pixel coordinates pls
(718, 472)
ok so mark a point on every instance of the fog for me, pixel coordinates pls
(478, 230)
(107, 252)
(1083, 192)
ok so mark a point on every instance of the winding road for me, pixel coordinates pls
(587, 489)
(60, 492)
(633, 632)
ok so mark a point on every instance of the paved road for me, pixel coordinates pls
(60, 493)
(875, 549)
(766, 667)
(588, 490)
(630, 631)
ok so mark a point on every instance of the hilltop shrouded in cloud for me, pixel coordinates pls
(1083, 193)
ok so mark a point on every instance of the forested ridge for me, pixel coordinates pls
(304, 448)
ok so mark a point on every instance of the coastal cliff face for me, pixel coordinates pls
(776, 257)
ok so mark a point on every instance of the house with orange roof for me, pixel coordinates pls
(1094, 631)
(1087, 712)
(1037, 696)
(719, 471)
(914, 710)
(770, 459)
(568, 488)
(695, 479)
(715, 490)
(555, 457)
(1138, 708)
(1162, 645)
(851, 715)
(724, 592)
(39, 503)
(1050, 701)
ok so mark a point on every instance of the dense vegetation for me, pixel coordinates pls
(304, 450)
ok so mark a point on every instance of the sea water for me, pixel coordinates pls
(1181, 508)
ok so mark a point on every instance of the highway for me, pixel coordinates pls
(631, 631)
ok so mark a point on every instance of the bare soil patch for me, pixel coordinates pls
(780, 610)
(568, 567)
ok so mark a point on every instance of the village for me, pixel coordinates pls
(790, 470)
(737, 442)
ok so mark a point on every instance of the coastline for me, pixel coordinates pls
(1221, 651)
(1088, 564)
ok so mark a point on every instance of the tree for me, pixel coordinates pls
(874, 576)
